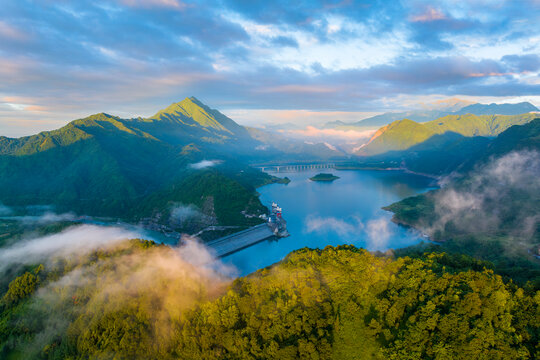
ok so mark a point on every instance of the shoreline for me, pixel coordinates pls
(363, 168)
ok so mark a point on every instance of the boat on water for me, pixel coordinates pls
(276, 222)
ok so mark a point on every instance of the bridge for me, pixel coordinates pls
(295, 167)
(235, 242)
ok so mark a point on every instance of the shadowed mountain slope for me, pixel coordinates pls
(404, 134)
(107, 166)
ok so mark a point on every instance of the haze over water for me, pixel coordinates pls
(346, 211)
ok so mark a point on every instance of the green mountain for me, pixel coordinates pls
(387, 118)
(489, 207)
(106, 166)
(404, 134)
(190, 120)
(453, 107)
(141, 301)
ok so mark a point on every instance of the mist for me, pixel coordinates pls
(498, 196)
(375, 232)
(80, 239)
(204, 164)
(4, 210)
(48, 217)
(181, 214)
(110, 277)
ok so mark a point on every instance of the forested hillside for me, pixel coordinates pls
(336, 303)
(489, 207)
(405, 134)
(186, 155)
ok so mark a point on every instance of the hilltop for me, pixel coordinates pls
(138, 169)
(437, 110)
(489, 207)
(404, 134)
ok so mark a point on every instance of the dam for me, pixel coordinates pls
(240, 240)
(275, 227)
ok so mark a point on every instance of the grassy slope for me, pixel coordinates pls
(404, 134)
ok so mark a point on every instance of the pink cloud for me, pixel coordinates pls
(174, 4)
(12, 33)
(311, 131)
(299, 89)
(431, 14)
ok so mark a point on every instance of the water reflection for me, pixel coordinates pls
(346, 211)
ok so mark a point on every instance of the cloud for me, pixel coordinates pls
(47, 217)
(486, 202)
(163, 283)
(203, 164)
(431, 14)
(311, 131)
(174, 4)
(285, 41)
(376, 232)
(332, 224)
(10, 32)
(522, 63)
(345, 56)
(299, 89)
(189, 218)
(4, 210)
(75, 240)
(197, 254)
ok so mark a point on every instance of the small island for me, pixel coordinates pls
(324, 177)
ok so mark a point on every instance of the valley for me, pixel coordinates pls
(192, 190)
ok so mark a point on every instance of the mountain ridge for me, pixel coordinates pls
(429, 114)
(403, 134)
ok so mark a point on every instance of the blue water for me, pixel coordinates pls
(346, 211)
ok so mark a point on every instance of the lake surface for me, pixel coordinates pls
(345, 211)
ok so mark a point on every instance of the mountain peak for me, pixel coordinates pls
(193, 112)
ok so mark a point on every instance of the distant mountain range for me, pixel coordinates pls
(499, 109)
(140, 169)
(424, 115)
(404, 134)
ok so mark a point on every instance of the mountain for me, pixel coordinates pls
(276, 147)
(438, 110)
(103, 165)
(404, 134)
(386, 118)
(489, 206)
(334, 124)
(500, 109)
(142, 301)
(191, 120)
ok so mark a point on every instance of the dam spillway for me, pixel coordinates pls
(240, 240)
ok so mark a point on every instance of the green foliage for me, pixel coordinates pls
(405, 134)
(324, 177)
(503, 243)
(20, 288)
(110, 167)
(336, 303)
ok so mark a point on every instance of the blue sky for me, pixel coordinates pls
(260, 61)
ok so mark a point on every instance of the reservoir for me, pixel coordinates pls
(345, 211)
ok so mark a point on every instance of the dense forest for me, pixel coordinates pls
(489, 208)
(138, 300)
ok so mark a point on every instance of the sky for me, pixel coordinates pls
(260, 61)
